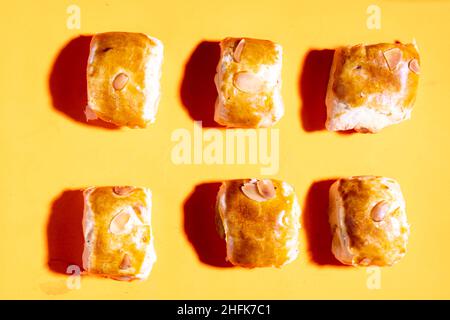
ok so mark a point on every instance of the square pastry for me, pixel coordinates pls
(123, 76)
(371, 87)
(248, 82)
(260, 221)
(118, 233)
(368, 221)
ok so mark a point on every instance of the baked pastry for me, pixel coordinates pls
(248, 82)
(368, 221)
(371, 87)
(117, 232)
(260, 221)
(123, 75)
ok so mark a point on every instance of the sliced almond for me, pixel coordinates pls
(251, 191)
(123, 190)
(126, 262)
(90, 114)
(248, 82)
(379, 211)
(414, 66)
(121, 223)
(393, 57)
(266, 188)
(138, 209)
(238, 50)
(120, 81)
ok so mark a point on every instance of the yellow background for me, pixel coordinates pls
(45, 152)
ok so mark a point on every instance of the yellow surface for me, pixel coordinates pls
(45, 151)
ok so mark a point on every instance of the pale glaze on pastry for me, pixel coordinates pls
(123, 78)
(118, 234)
(372, 86)
(368, 221)
(248, 82)
(258, 233)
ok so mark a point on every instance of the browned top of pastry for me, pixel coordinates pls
(376, 74)
(116, 76)
(248, 95)
(374, 218)
(259, 233)
(253, 52)
(121, 233)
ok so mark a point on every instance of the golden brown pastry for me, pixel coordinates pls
(371, 87)
(248, 82)
(368, 221)
(123, 76)
(260, 221)
(118, 233)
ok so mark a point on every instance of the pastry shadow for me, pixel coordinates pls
(198, 92)
(200, 227)
(67, 82)
(348, 132)
(316, 225)
(65, 239)
(313, 89)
